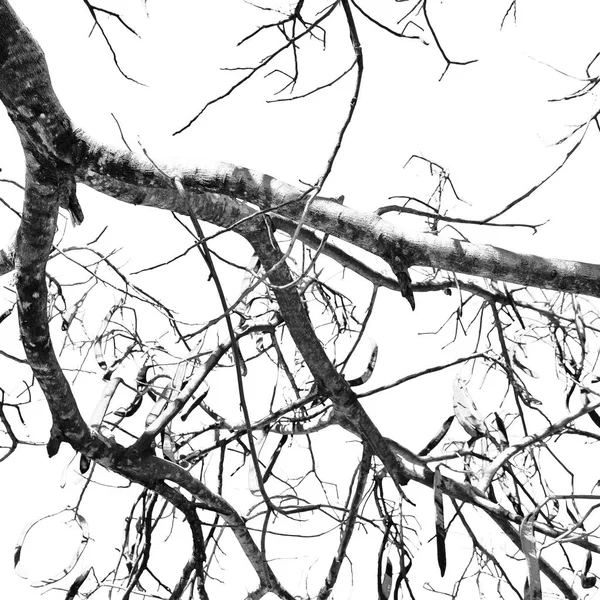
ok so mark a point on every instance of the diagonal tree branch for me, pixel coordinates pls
(347, 410)
(107, 170)
(226, 195)
(44, 125)
(547, 569)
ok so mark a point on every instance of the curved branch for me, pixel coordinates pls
(348, 528)
(34, 241)
(126, 177)
(547, 569)
(43, 123)
(530, 440)
(221, 194)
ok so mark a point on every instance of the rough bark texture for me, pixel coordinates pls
(56, 154)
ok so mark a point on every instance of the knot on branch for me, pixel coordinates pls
(399, 267)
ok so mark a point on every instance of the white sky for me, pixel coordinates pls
(489, 124)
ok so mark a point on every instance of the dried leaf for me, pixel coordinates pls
(260, 343)
(99, 353)
(197, 401)
(77, 584)
(130, 410)
(440, 530)
(68, 518)
(167, 445)
(68, 316)
(465, 410)
(386, 584)
(553, 509)
(523, 367)
(529, 547)
(274, 458)
(84, 464)
(102, 407)
(17, 555)
(588, 563)
(437, 438)
(370, 367)
(595, 418)
(142, 382)
(585, 400)
(501, 428)
(177, 383)
(587, 581)
(155, 412)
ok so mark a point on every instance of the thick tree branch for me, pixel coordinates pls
(57, 155)
(26, 91)
(34, 241)
(107, 170)
(348, 412)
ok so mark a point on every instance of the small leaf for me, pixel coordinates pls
(168, 446)
(523, 367)
(17, 555)
(584, 397)
(274, 458)
(197, 401)
(588, 582)
(585, 401)
(529, 547)
(553, 510)
(588, 562)
(84, 464)
(77, 584)
(386, 584)
(437, 438)
(370, 367)
(501, 428)
(66, 518)
(595, 418)
(440, 530)
(259, 343)
(102, 407)
(99, 353)
(142, 384)
(130, 410)
(465, 410)
(68, 316)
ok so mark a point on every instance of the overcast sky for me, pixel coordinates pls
(490, 124)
